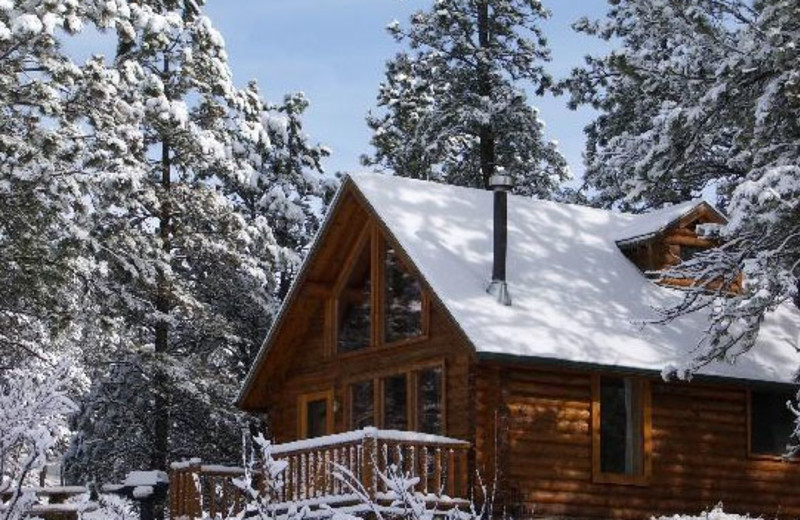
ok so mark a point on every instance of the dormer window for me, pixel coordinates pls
(379, 301)
(689, 252)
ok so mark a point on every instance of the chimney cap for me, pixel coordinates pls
(501, 182)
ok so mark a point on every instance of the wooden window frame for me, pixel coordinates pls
(302, 411)
(598, 476)
(411, 374)
(750, 453)
(378, 246)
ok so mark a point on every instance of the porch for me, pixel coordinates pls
(314, 466)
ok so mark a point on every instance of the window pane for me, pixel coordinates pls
(316, 418)
(363, 405)
(689, 252)
(403, 302)
(621, 418)
(772, 422)
(395, 416)
(429, 405)
(354, 306)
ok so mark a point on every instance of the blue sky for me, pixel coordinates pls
(335, 50)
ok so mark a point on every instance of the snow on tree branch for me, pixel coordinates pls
(34, 405)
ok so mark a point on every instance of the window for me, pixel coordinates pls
(689, 252)
(402, 300)
(412, 400)
(315, 414)
(621, 422)
(362, 405)
(429, 401)
(771, 422)
(355, 304)
(395, 402)
(377, 285)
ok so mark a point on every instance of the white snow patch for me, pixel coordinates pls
(26, 25)
(142, 491)
(145, 478)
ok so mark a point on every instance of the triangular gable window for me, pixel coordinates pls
(379, 301)
(402, 300)
(355, 301)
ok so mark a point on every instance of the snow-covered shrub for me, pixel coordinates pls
(715, 514)
(406, 503)
(260, 496)
(33, 420)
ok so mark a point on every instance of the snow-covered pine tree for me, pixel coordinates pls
(291, 189)
(452, 107)
(43, 152)
(284, 185)
(168, 240)
(705, 95)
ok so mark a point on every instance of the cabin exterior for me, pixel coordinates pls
(389, 326)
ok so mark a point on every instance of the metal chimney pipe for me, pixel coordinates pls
(501, 185)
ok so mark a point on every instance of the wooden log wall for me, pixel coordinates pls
(700, 458)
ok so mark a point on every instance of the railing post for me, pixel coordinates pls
(369, 460)
(192, 499)
(437, 470)
(451, 473)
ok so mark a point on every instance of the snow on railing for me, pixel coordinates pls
(360, 435)
(315, 469)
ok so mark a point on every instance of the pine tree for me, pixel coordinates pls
(283, 190)
(45, 146)
(167, 235)
(452, 106)
(705, 95)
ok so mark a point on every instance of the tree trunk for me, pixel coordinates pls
(486, 134)
(161, 412)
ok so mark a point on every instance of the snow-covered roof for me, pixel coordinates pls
(576, 297)
(647, 225)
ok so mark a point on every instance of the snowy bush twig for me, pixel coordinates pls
(33, 414)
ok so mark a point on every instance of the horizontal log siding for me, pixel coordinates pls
(699, 450)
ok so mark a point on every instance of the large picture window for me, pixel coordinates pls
(621, 423)
(379, 301)
(771, 422)
(412, 400)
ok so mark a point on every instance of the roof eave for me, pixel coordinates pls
(625, 370)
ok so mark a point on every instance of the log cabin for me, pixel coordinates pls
(519, 334)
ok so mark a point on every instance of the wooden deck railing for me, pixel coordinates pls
(195, 487)
(312, 466)
(440, 463)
